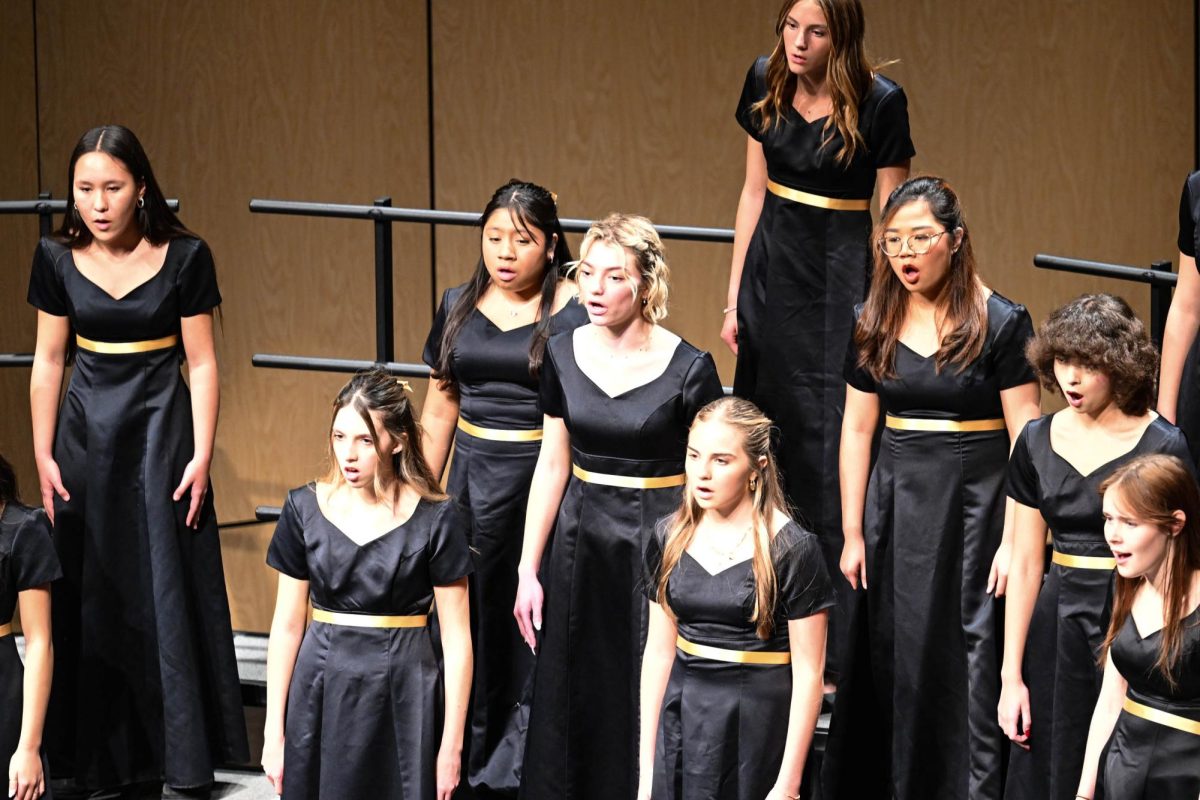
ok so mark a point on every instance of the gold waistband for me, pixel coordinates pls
(497, 435)
(820, 201)
(124, 348)
(943, 425)
(1161, 717)
(5, 629)
(732, 656)
(369, 620)
(627, 481)
(1083, 562)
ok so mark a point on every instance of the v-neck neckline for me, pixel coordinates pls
(630, 390)
(721, 571)
(385, 534)
(1115, 459)
(161, 268)
(1138, 632)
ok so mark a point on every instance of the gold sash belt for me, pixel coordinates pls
(627, 481)
(1161, 717)
(125, 348)
(5, 629)
(498, 435)
(1083, 562)
(820, 201)
(732, 656)
(369, 620)
(943, 425)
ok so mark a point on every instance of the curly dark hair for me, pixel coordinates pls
(1099, 332)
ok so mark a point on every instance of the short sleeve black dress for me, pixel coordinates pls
(490, 478)
(364, 704)
(1145, 759)
(1071, 615)
(805, 269)
(145, 680)
(723, 725)
(583, 731)
(924, 656)
(27, 561)
(1187, 415)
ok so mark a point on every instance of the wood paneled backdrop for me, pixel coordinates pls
(1067, 127)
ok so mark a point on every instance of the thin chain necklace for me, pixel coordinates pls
(515, 309)
(728, 555)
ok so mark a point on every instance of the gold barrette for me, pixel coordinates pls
(404, 384)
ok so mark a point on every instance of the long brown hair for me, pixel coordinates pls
(375, 390)
(849, 75)
(1151, 488)
(961, 303)
(767, 496)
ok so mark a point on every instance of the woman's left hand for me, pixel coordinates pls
(25, 778)
(448, 765)
(998, 575)
(777, 793)
(195, 477)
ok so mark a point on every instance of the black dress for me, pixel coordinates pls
(1071, 615)
(364, 704)
(924, 653)
(490, 478)
(1145, 760)
(1187, 412)
(27, 561)
(723, 725)
(145, 680)
(805, 269)
(583, 729)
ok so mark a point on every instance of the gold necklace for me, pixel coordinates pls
(728, 555)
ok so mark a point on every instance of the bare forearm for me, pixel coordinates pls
(748, 211)
(545, 496)
(1024, 580)
(855, 458)
(45, 383)
(656, 673)
(436, 436)
(282, 648)
(206, 401)
(802, 722)
(459, 663)
(38, 675)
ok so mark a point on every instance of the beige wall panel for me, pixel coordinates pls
(18, 176)
(291, 100)
(1055, 144)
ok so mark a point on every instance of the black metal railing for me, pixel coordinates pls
(1158, 276)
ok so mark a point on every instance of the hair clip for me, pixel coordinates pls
(554, 197)
(404, 385)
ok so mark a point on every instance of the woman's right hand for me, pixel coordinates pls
(528, 609)
(643, 790)
(729, 331)
(1014, 709)
(853, 563)
(50, 481)
(272, 761)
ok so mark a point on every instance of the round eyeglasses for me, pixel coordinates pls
(918, 243)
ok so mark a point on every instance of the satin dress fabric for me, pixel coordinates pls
(1070, 619)
(364, 706)
(805, 269)
(1187, 415)
(27, 561)
(583, 729)
(723, 726)
(1144, 760)
(146, 684)
(491, 480)
(919, 703)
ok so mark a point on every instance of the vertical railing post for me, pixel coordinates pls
(1160, 303)
(385, 336)
(45, 215)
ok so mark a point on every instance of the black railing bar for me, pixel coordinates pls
(463, 218)
(239, 523)
(267, 513)
(317, 364)
(1119, 271)
(51, 206)
(16, 359)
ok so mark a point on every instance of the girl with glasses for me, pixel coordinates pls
(941, 357)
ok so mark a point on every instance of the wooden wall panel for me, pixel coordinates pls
(18, 176)
(293, 100)
(1066, 127)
